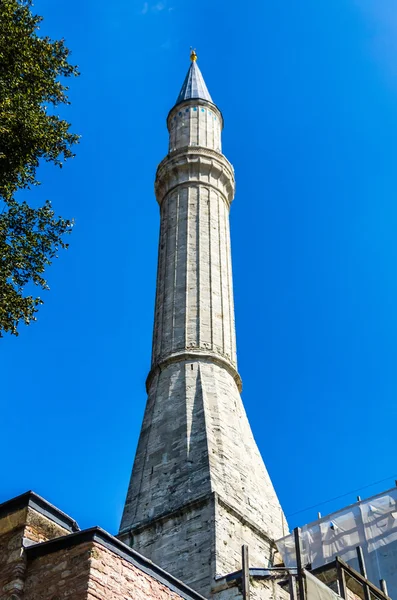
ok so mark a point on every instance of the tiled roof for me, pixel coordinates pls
(194, 86)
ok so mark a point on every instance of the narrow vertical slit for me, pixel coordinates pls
(220, 273)
(155, 337)
(211, 316)
(187, 267)
(198, 265)
(164, 273)
(175, 270)
(232, 302)
(229, 282)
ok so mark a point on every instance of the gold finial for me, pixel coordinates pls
(193, 55)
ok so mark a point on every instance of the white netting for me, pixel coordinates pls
(371, 524)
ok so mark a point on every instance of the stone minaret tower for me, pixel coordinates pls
(199, 488)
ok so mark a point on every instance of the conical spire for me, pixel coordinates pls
(194, 84)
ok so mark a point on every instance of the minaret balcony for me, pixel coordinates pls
(195, 165)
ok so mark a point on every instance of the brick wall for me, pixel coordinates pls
(63, 574)
(90, 571)
(113, 578)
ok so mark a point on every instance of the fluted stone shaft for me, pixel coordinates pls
(194, 300)
(199, 488)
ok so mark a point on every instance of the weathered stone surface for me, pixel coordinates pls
(195, 123)
(259, 590)
(186, 537)
(196, 439)
(39, 528)
(199, 488)
(194, 302)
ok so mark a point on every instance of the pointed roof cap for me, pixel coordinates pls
(194, 84)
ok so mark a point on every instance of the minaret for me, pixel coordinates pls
(199, 488)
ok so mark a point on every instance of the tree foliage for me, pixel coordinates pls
(32, 69)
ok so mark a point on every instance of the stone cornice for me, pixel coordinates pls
(193, 355)
(153, 521)
(195, 165)
(39, 504)
(193, 504)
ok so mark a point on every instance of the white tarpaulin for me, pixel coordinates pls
(317, 590)
(371, 524)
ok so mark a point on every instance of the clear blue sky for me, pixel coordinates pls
(309, 94)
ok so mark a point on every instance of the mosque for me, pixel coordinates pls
(201, 518)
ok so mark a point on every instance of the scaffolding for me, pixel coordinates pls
(362, 536)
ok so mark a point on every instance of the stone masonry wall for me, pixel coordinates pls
(196, 439)
(259, 590)
(171, 466)
(23, 524)
(238, 473)
(202, 542)
(182, 543)
(195, 125)
(231, 529)
(12, 565)
(39, 528)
